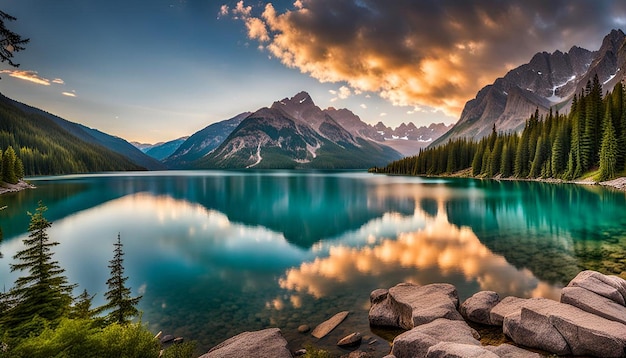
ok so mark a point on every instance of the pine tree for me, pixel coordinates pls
(44, 292)
(8, 166)
(19, 168)
(119, 301)
(608, 151)
(82, 308)
(477, 162)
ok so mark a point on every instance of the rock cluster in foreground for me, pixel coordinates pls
(589, 320)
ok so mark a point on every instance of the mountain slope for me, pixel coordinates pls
(202, 142)
(547, 81)
(94, 136)
(295, 133)
(47, 148)
(160, 151)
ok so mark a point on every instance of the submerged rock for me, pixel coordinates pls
(325, 327)
(407, 305)
(265, 343)
(350, 340)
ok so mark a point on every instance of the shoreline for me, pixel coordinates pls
(6, 188)
(617, 183)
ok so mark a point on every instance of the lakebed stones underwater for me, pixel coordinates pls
(589, 320)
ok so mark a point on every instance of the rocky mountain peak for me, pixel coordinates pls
(302, 99)
(547, 80)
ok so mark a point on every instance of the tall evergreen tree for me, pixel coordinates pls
(44, 291)
(608, 151)
(119, 301)
(8, 166)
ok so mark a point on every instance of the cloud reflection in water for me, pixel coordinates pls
(438, 252)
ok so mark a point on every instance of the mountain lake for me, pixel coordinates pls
(216, 253)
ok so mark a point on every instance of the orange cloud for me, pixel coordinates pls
(418, 53)
(30, 76)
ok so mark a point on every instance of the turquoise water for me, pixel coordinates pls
(215, 253)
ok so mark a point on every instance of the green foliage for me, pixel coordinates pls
(44, 291)
(119, 302)
(80, 338)
(183, 350)
(592, 136)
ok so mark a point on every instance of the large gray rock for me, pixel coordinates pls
(407, 305)
(611, 287)
(532, 328)
(504, 308)
(478, 307)
(265, 343)
(511, 351)
(458, 350)
(417, 341)
(513, 305)
(564, 329)
(588, 334)
(593, 303)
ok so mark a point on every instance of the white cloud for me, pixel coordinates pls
(69, 94)
(363, 105)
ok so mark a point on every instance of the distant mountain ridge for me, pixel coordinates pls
(50, 145)
(309, 127)
(549, 80)
(295, 133)
(94, 136)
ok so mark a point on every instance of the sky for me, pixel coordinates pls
(156, 70)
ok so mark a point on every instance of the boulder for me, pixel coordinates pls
(407, 305)
(565, 329)
(458, 350)
(611, 287)
(265, 343)
(504, 308)
(511, 351)
(593, 303)
(478, 307)
(417, 341)
(325, 327)
(588, 334)
(353, 339)
(510, 305)
(357, 354)
(533, 329)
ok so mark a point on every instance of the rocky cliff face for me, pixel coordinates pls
(549, 80)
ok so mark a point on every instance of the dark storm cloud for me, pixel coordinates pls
(435, 53)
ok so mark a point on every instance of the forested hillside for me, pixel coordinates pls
(46, 148)
(592, 137)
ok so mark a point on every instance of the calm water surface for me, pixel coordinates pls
(215, 253)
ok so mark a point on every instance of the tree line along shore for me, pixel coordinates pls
(587, 145)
